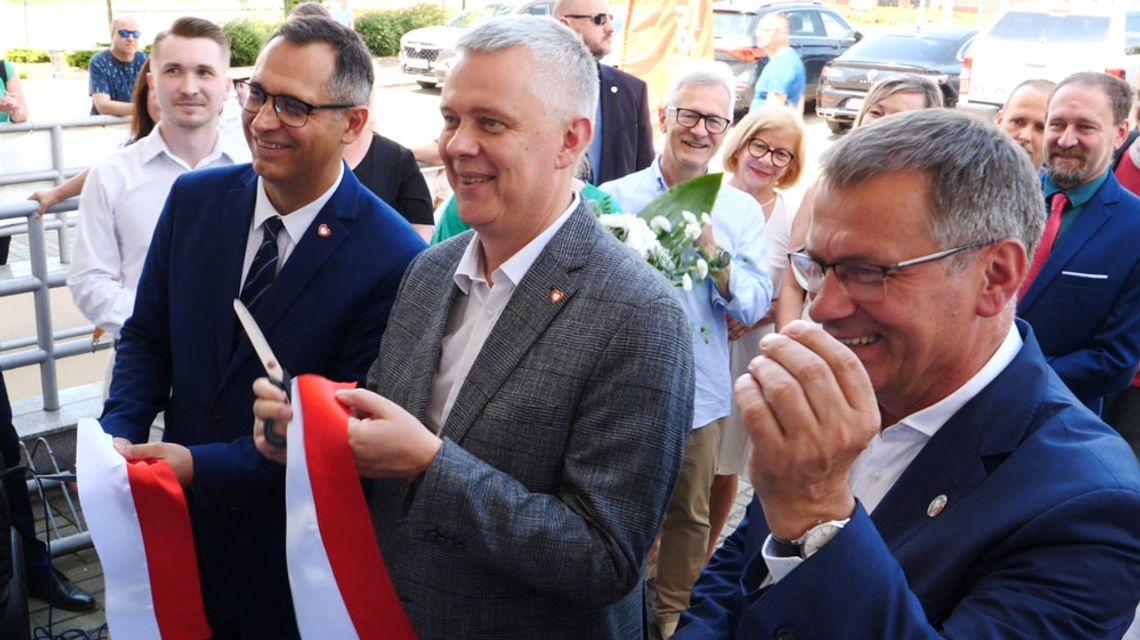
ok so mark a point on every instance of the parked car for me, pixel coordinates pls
(934, 52)
(817, 33)
(1048, 42)
(426, 54)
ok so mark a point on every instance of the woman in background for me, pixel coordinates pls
(765, 153)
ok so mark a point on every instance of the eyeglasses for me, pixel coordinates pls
(127, 33)
(757, 148)
(863, 282)
(688, 118)
(290, 111)
(599, 19)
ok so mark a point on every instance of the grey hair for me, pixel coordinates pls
(703, 73)
(352, 76)
(902, 83)
(565, 75)
(982, 185)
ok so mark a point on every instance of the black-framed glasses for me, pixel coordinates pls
(688, 118)
(290, 111)
(757, 148)
(863, 282)
(127, 33)
(599, 19)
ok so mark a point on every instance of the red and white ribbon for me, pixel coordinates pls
(341, 588)
(138, 519)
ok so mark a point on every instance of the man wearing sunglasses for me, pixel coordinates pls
(783, 78)
(920, 470)
(112, 72)
(695, 120)
(623, 133)
(314, 255)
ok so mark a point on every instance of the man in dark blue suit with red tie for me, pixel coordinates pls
(318, 259)
(1083, 292)
(920, 470)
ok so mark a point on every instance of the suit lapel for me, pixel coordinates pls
(233, 216)
(546, 289)
(966, 449)
(609, 98)
(1096, 214)
(421, 368)
(311, 252)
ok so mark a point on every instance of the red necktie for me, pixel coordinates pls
(1045, 247)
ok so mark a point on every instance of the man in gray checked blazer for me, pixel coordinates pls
(526, 417)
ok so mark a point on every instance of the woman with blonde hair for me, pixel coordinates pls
(765, 153)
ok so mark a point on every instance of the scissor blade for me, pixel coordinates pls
(272, 365)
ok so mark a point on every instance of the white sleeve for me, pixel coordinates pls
(96, 277)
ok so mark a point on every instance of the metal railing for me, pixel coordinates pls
(47, 345)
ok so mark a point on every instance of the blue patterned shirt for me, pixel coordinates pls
(113, 77)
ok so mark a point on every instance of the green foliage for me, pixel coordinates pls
(382, 30)
(27, 56)
(247, 37)
(80, 59)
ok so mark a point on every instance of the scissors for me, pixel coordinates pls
(273, 369)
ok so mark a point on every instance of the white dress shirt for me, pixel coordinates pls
(118, 210)
(892, 450)
(473, 314)
(294, 224)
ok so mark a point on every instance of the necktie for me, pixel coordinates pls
(1045, 247)
(264, 267)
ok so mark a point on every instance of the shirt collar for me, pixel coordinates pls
(929, 420)
(470, 267)
(153, 145)
(1078, 196)
(298, 221)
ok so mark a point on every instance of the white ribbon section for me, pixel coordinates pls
(321, 612)
(105, 495)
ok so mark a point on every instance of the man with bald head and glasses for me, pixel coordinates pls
(694, 120)
(315, 256)
(920, 470)
(623, 132)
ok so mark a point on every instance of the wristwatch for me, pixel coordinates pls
(721, 260)
(813, 539)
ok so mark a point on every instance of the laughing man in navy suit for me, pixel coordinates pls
(320, 288)
(920, 470)
(623, 133)
(1084, 303)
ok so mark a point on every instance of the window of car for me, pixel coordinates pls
(800, 23)
(919, 50)
(1132, 35)
(730, 24)
(835, 27)
(1025, 26)
(541, 9)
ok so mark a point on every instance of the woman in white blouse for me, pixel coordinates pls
(764, 152)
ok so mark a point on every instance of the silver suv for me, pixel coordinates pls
(1026, 42)
(426, 54)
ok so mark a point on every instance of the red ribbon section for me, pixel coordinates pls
(170, 557)
(342, 515)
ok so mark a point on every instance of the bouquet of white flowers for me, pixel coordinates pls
(665, 231)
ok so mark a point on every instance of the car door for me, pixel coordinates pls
(810, 40)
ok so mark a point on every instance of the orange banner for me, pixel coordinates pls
(660, 36)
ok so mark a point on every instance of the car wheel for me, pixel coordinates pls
(838, 126)
(425, 84)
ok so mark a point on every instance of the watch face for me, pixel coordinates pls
(818, 536)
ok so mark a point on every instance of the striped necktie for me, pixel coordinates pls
(264, 268)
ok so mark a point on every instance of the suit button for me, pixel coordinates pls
(785, 633)
(216, 420)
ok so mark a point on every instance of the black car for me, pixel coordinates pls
(933, 52)
(816, 32)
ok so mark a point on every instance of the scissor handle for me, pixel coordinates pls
(270, 437)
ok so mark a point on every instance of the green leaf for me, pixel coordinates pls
(696, 196)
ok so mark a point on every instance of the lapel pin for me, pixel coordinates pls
(324, 231)
(556, 296)
(613, 88)
(936, 505)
